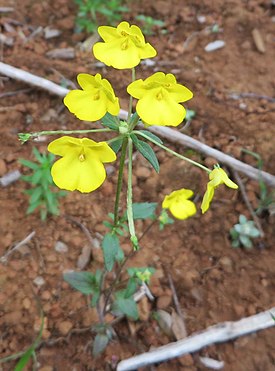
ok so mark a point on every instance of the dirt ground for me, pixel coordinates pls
(213, 281)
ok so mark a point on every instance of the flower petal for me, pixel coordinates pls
(65, 144)
(116, 54)
(71, 174)
(84, 105)
(161, 112)
(100, 151)
(207, 198)
(87, 81)
(107, 33)
(183, 209)
(137, 89)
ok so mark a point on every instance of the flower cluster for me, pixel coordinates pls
(159, 97)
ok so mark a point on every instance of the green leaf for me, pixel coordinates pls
(100, 343)
(144, 210)
(235, 243)
(146, 151)
(31, 165)
(37, 155)
(151, 135)
(242, 219)
(238, 228)
(131, 287)
(81, 281)
(116, 144)
(234, 233)
(120, 255)
(95, 298)
(43, 214)
(33, 206)
(37, 176)
(128, 307)
(254, 232)
(110, 121)
(245, 241)
(110, 246)
(30, 352)
(35, 194)
(21, 364)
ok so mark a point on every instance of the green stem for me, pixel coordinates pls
(131, 98)
(135, 119)
(113, 139)
(52, 132)
(130, 191)
(173, 152)
(120, 179)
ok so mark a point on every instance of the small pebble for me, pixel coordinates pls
(64, 327)
(61, 247)
(39, 281)
(215, 45)
(26, 303)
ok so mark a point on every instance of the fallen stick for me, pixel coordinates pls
(164, 132)
(221, 157)
(219, 333)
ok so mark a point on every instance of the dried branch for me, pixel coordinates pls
(164, 132)
(219, 333)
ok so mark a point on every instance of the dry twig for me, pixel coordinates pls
(4, 258)
(219, 333)
(164, 132)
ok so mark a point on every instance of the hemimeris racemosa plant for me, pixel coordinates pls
(81, 165)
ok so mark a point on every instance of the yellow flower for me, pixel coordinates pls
(159, 97)
(123, 47)
(96, 98)
(144, 276)
(81, 166)
(217, 176)
(179, 204)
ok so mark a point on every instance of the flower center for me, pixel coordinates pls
(159, 96)
(96, 96)
(81, 157)
(125, 44)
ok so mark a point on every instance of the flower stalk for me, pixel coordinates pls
(173, 152)
(119, 180)
(130, 196)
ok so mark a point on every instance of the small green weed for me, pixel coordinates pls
(149, 24)
(42, 194)
(90, 11)
(242, 233)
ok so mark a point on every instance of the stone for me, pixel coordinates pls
(26, 303)
(164, 301)
(61, 247)
(39, 281)
(64, 327)
(258, 41)
(143, 172)
(215, 45)
(85, 257)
